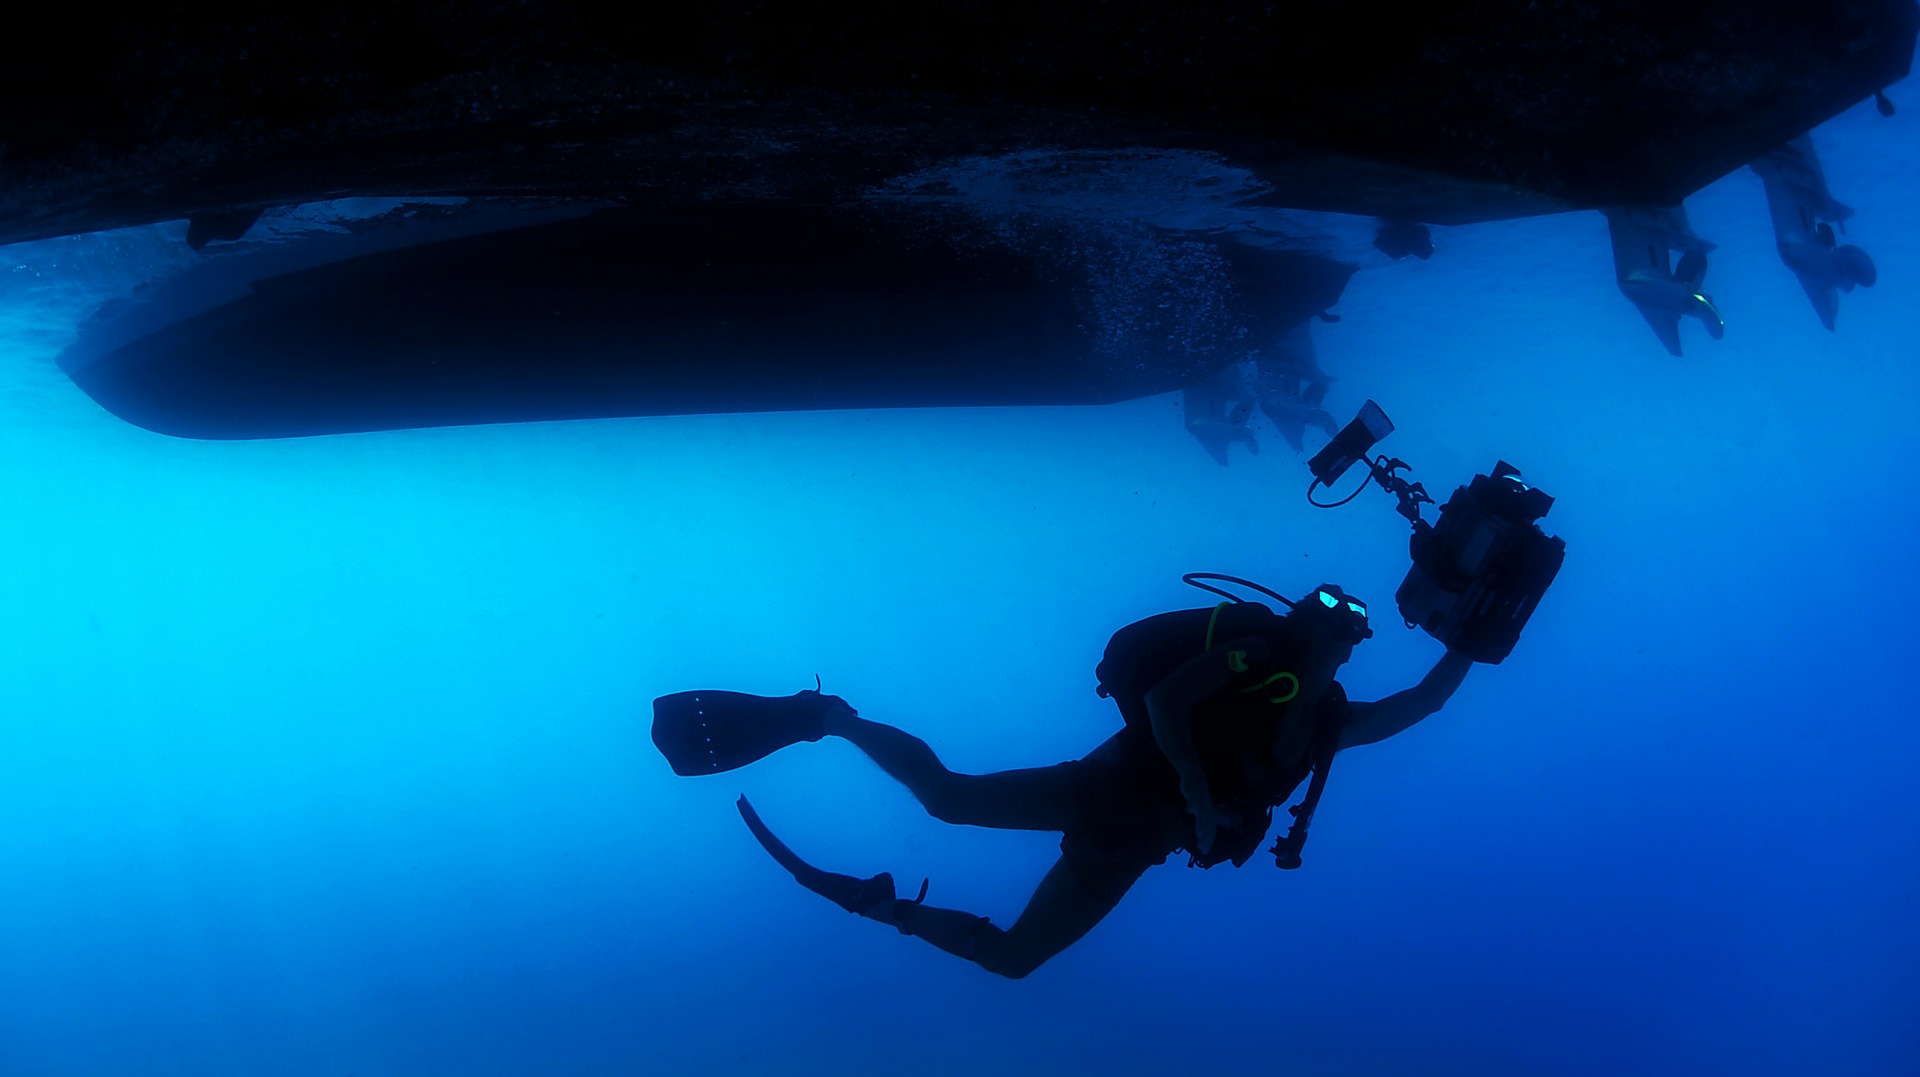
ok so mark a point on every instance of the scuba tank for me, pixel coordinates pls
(1253, 704)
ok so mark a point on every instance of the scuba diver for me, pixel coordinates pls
(1227, 710)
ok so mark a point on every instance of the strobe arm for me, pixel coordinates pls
(1411, 495)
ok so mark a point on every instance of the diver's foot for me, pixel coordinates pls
(872, 898)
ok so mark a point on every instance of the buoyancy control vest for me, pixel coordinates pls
(1236, 730)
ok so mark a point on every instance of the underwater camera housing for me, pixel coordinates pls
(1481, 569)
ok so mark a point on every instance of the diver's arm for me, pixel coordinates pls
(1368, 723)
(1170, 712)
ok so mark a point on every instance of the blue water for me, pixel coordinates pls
(329, 756)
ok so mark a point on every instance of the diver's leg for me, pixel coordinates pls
(1063, 909)
(1040, 798)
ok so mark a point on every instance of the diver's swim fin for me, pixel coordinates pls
(872, 898)
(712, 731)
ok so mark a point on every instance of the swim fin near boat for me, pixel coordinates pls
(872, 898)
(708, 732)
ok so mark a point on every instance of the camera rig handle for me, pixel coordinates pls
(1385, 471)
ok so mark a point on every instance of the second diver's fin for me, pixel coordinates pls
(711, 731)
(872, 898)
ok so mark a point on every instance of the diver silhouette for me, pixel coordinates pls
(1227, 710)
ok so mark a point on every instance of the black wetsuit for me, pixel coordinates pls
(1129, 813)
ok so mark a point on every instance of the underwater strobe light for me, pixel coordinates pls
(1481, 569)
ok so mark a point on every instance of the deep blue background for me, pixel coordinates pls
(329, 756)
